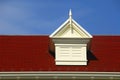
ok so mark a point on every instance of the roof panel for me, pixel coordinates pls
(36, 53)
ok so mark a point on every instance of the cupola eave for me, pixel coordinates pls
(53, 35)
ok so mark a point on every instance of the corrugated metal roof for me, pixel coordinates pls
(36, 53)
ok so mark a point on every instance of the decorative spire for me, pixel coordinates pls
(70, 14)
(70, 19)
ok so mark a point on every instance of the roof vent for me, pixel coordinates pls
(70, 41)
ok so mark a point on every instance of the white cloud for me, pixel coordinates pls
(12, 19)
(18, 18)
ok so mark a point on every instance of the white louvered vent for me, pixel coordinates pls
(70, 53)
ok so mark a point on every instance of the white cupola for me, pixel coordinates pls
(70, 41)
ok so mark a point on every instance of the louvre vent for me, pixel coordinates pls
(70, 52)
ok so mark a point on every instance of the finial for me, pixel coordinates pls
(70, 13)
(70, 19)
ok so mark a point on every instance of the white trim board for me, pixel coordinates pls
(59, 75)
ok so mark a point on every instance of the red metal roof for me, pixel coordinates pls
(36, 53)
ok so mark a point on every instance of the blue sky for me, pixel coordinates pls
(98, 17)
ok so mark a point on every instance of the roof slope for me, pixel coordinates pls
(36, 53)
